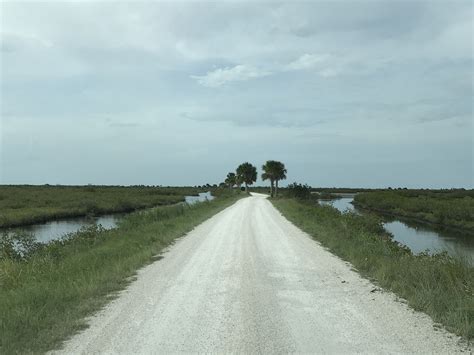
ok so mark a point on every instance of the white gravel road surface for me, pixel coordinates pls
(247, 280)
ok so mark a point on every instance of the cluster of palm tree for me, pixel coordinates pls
(246, 174)
(274, 171)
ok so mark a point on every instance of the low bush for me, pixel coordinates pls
(300, 191)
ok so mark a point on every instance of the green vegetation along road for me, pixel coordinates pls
(439, 285)
(28, 204)
(45, 295)
(249, 281)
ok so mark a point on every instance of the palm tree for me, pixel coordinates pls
(247, 173)
(238, 181)
(266, 176)
(231, 180)
(274, 171)
(269, 173)
(280, 174)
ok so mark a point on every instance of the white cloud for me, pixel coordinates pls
(71, 62)
(222, 76)
(241, 72)
(307, 61)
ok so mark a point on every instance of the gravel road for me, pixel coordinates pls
(247, 280)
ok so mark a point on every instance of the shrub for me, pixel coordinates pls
(299, 191)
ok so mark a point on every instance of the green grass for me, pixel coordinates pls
(28, 204)
(439, 285)
(452, 209)
(45, 297)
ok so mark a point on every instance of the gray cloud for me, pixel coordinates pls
(329, 87)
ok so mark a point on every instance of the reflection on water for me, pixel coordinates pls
(421, 238)
(202, 197)
(418, 237)
(57, 229)
(342, 204)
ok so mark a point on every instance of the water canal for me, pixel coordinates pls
(53, 230)
(418, 237)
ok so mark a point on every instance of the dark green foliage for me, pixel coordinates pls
(274, 171)
(450, 208)
(25, 204)
(300, 191)
(231, 179)
(438, 285)
(44, 297)
(247, 174)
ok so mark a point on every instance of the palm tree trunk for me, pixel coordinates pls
(276, 188)
(271, 187)
(246, 188)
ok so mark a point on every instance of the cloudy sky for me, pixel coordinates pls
(345, 93)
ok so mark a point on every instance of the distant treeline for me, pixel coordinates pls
(448, 208)
(459, 192)
(349, 190)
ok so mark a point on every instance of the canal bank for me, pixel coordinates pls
(438, 284)
(419, 237)
(54, 230)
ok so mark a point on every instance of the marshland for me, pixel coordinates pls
(250, 177)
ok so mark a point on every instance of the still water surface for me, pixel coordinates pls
(53, 230)
(202, 197)
(418, 237)
(48, 231)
